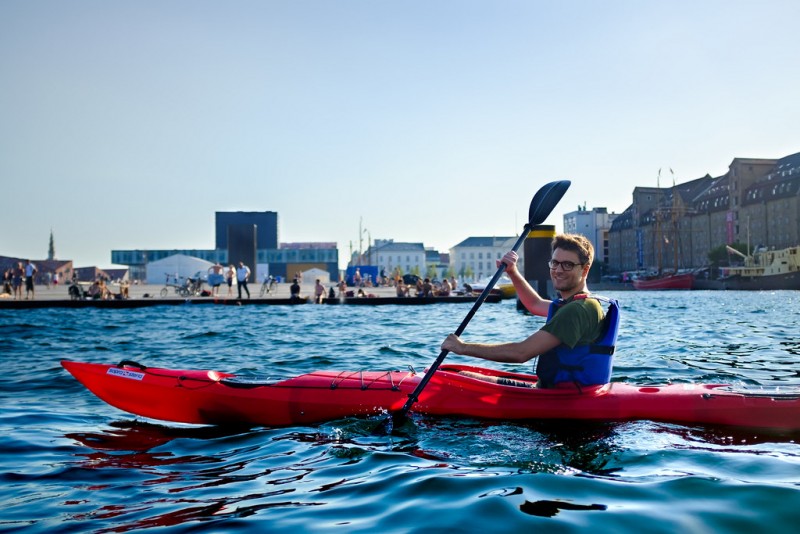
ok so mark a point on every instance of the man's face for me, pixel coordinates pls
(563, 280)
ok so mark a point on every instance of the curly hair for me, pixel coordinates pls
(575, 243)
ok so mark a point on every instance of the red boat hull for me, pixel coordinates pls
(675, 281)
(210, 397)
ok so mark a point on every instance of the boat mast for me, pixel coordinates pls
(659, 239)
(674, 214)
(748, 235)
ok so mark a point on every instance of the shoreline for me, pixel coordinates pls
(146, 295)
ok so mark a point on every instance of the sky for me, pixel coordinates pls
(128, 124)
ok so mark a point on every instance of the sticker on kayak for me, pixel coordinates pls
(124, 373)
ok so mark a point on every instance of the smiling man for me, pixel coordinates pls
(573, 344)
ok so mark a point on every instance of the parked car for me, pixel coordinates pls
(410, 279)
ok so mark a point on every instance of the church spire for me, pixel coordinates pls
(51, 250)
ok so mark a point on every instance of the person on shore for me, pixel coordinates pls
(124, 290)
(242, 274)
(215, 278)
(357, 278)
(230, 276)
(105, 291)
(95, 292)
(16, 281)
(8, 276)
(401, 288)
(30, 273)
(99, 291)
(576, 343)
(444, 289)
(427, 288)
(294, 290)
(319, 292)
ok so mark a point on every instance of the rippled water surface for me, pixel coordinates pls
(71, 463)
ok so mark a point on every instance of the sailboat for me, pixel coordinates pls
(666, 280)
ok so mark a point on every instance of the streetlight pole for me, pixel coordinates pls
(369, 246)
(360, 239)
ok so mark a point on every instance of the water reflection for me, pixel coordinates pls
(551, 508)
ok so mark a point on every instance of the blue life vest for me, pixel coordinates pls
(584, 365)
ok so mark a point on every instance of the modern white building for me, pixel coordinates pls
(594, 225)
(476, 257)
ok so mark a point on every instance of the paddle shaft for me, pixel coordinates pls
(414, 396)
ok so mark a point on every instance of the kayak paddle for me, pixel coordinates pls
(543, 203)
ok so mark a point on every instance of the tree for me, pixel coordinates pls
(431, 272)
(721, 256)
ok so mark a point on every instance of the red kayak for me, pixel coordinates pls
(217, 398)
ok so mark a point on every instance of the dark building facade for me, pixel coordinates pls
(250, 237)
(266, 223)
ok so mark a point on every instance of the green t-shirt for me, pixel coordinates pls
(579, 322)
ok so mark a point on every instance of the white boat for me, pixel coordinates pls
(765, 269)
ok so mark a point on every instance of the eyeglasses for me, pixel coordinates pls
(565, 265)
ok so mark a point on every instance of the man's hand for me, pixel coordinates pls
(452, 344)
(510, 259)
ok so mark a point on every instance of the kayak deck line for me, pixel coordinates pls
(217, 398)
(501, 380)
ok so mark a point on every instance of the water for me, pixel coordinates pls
(71, 463)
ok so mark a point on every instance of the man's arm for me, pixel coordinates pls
(515, 352)
(532, 301)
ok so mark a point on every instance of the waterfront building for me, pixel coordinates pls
(388, 255)
(266, 223)
(757, 201)
(476, 258)
(437, 264)
(593, 224)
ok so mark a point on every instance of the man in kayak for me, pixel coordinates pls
(569, 344)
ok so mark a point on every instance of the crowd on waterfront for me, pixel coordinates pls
(14, 278)
(24, 273)
(219, 276)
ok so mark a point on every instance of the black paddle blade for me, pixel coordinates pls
(545, 200)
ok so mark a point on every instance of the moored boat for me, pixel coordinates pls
(217, 398)
(504, 288)
(765, 270)
(670, 281)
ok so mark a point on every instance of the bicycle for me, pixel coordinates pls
(181, 290)
(269, 285)
(194, 286)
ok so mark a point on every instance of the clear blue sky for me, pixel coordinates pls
(128, 124)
